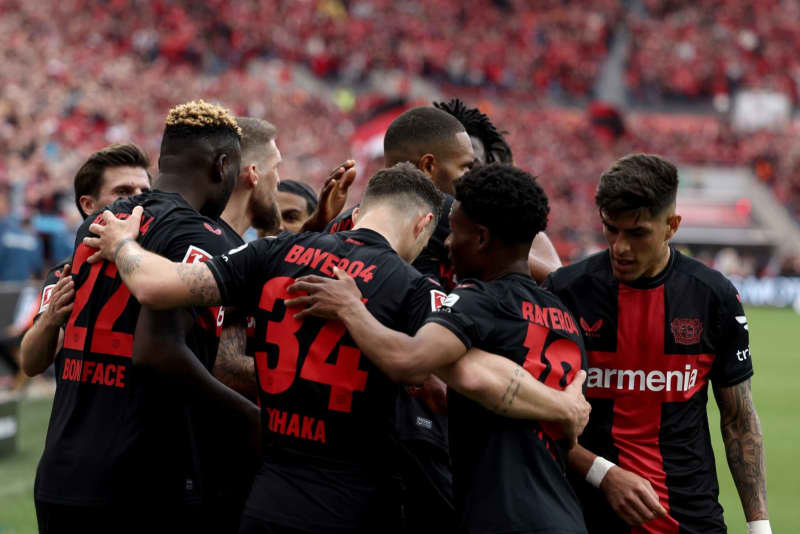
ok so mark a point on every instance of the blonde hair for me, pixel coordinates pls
(201, 114)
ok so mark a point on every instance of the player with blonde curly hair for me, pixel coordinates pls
(126, 450)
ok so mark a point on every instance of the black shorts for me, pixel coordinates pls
(132, 519)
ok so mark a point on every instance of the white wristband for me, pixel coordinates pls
(598, 471)
(759, 527)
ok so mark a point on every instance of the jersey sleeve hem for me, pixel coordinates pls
(452, 328)
(734, 381)
(220, 279)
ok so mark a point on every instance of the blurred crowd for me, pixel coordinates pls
(78, 75)
(698, 49)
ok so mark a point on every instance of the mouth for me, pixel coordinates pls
(623, 265)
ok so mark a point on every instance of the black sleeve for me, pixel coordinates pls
(241, 272)
(732, 363)
(340, 223)
(425, 297)
(465, 313)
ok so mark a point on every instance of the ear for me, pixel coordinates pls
(423, 221)
(427, 164)
(220, 168)
(484, 237)
(88, 204)
(673, 223)
(252, 175)
(356, 213)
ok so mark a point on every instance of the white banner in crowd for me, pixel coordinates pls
(778, 292)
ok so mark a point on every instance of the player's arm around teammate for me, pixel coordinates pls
(497, 383)
(44, 339)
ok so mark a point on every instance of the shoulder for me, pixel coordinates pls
(596, 267)
(710, 279)
(342, 222)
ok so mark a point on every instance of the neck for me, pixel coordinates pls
(660, 266)
(237, 212)
(507, 260)
(384, 223)
(171, 182)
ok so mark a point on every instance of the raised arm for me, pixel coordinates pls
(332, 198)
(153, 280)
(744, 447)
(542, 258)
(44, 339)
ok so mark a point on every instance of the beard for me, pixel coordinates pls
(265, 215)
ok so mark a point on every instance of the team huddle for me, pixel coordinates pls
(418, 363)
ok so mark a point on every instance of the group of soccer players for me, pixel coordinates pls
(296, 383)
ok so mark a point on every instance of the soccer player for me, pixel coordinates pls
(297, 201)
(490, 146)
(327, 412)
(658, 326)
(121, 449)
(509, 475)
(114, 172)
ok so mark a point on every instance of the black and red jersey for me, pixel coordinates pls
(120, 433)
(327, 412)
(653, 346)
(509, 474)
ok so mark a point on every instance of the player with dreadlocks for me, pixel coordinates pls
(490, 146)
(122, 451)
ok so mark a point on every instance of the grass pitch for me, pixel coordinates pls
(775, 390)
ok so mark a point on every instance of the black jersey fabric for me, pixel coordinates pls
(119, 433)
(652, 348)
(509, 474)
(50, 281)
(327, 412)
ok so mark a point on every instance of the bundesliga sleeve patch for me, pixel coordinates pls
(47, 295)
(438, 299)
(196, 255)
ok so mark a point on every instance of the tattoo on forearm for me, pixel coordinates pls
(127, 263)
(200, 282)
(744, 447)
(233, 367)
(119, 247)
(510, 394)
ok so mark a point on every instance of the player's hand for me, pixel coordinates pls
(433, 392)
(112, 234)
(61, 300)
(332, 197)
(577, 408)
(631, 496)
(325, 297)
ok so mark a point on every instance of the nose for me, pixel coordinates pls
(620, 245)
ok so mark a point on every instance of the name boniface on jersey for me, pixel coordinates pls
(637, 379)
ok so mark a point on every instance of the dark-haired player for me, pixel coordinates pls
(114, 172)
(328, 413)
(508, 474)
(490, 146)
(437, 144)
(658, 326)
(297, 201)
(121, 452)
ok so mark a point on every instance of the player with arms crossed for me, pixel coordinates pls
(114, 172)
(120, 449)
(327, 413)
(509, 475)
(658, 326)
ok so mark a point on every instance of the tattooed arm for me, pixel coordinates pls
(155, 281)
(744, 447)
(233, 367)
(507, 389)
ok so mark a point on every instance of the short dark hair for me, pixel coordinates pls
(504, 199)
(419, 131)
(478, 125)
(89, 178)
(637, 182)
(404, 184)
(255, 134)
(302, 190)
